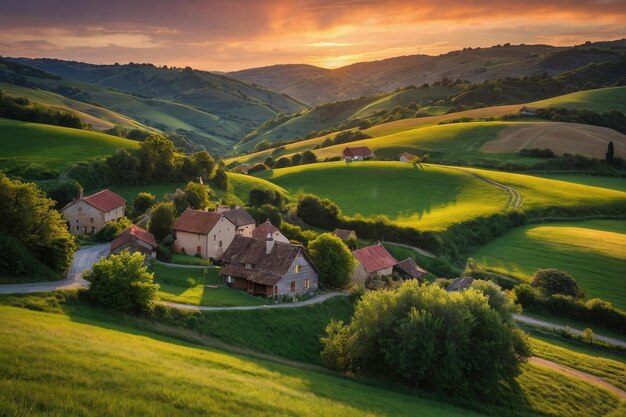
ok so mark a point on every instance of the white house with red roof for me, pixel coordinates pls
(357, 153)
(204, 233)
(375, 260)
(89, 214)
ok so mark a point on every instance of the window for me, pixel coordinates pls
(297, 269)
(229, 279)
(307, 284)
(198, 249)
(248, 266)
(275, 290)
(77, 227)
(93, 229)
(214, 238)
(220, 243)
(293, 286)
(91, 220)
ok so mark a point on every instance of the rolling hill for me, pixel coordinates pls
(315, 85)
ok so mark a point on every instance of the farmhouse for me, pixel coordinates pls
(525, 111)
(261, 232)
(345, 234)
(268, 268)
(460, 284)
(407, 157)
(89, 214)
(203, 233)
(375, 260)
(357, 153)
(135, 239)
(408, 269)
(244, 222)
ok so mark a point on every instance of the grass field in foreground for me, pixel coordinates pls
(187, 286)
(53, 147)
(593, 252)
(54, 364)
(429, 197)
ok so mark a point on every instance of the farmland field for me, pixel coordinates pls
(599, 100)
(53, 147)
(612, 183)
(593, 252)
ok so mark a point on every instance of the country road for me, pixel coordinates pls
(515, 199)
(83, 260)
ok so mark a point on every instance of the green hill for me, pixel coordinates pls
(32, 146)
(593, 252)
(600, 100)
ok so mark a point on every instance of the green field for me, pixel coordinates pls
(429, 197)
(612, 183)
(188, 286)
(594, 252)
(53, 147)
(599, 100)
(129, 192)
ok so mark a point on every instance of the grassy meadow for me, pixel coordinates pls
(599, 100)
(429, 197)
(189, 286)
(612, 183)
(593, 252)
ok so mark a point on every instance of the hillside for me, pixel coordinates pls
(319, 85)
(599, 100)
(37, 148)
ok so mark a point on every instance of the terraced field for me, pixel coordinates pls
(594, 252)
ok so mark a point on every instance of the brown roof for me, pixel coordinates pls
(105, 200)
(344, 234)
(263, 229)
(239, 217)
(197, 221)
(357, 151)
(133, 232)
(407, 155)
(374, 258)
(460, 284)
(266, 269)
(409, 267)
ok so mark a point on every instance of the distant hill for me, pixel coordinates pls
(315, 85)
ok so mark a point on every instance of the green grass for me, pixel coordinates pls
(428, 197)
(599, 100)
(612, 183)
(611, 371)
(239, 186)
(129, 192)
(179, 258)
(53, 147)
(594, 252)
(574, 345)
(188, 286)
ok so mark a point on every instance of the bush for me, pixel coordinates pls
(318, 212)
(143, 202)
(553, 281)
(163, 253)
(266, 212)
(333, 260)
(427, 338)
(221, 179)
(526, 295)
(122, 282)
(17, 261)
(258, 196)
(162, 219)
(297, 234)
(111, 229)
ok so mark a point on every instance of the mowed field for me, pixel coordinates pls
(593, 252)
(599, 100)
(613, 183)
(53, 147)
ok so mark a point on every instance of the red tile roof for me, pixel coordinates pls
(105, 200)
(357, 151)
(263, 229)
(374, 258)
(133, 232)
(197, 221)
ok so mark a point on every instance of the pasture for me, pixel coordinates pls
(599, 100)
(612, 183)
(593, 252)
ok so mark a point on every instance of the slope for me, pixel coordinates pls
(599, 100)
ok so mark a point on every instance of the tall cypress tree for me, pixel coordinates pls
(609, 153)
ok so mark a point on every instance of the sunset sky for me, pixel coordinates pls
(236, 34)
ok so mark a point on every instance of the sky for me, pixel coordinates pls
(230, 35)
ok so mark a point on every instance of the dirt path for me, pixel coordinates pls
(416, 249)
(575, 373)
(515, 199)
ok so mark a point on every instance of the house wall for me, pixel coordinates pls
(223, 231)
(83, 218)
(279, 237)
(404, 159)
(359, 275)
(246, 230)
(284, 285)
(115, 214)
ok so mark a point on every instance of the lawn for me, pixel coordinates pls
(188, 286)
(594, 252)
(599, 100)
(428, 197)
(179, 258)
(53, 147)
(612, 183)
(129, 192)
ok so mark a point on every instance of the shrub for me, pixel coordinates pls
(266, 212)
(553, 281)
(163, 253)
(17, 261)
(196, 195)
(333, 260)
(221, 179)
(297, 234)
(122, 282)
(112, 228)
(162, 219)
(258, 196)
(526, 295)
(318, 212)
(143, 202)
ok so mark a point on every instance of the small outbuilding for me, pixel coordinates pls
(345, 234)
(408, 269)
(407, 157)
(135, 239)
(526, 111)
(460, 284)
(372, 260)
(357, 153)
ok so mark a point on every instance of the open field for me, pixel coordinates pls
(612, 183)
(188, 286)
(599, 100)
(428, 197)
(594, 252)
(129, 192)
(53, 147)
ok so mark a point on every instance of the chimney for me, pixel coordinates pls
(269, 244)
(80, 194)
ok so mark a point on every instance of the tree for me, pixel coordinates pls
(427, 338)
(553, 281)
(610, 153)
(197, 195)
(112, 228)
(221, 179)
(204, 163)
(497, 299)
(263, 145)
(122, 282)
(123, 167)
(308, 157)
(333, 260)
(258, 196)
(282, 162)
(156, 156)
(143, 202)
(318, 212)
(266, 212)
(162, 219)
(64, 192)
(296, 159)
(29, 217)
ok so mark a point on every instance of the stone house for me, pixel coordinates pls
(376, 261)
(243, 221)
(356, 153)
(268, 268)
(208, 234)
(89, 214)
(135, 239)
(266, 228)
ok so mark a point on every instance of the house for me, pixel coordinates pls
(357, 153)
(268, 268)
(202, 232)
(262, 230)
(344, 234)
(407, 157)
(135, 239)
(460, 284)
(243, 221)
(372, 260)
(89, 214)
(408, 269)
(525, 111)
